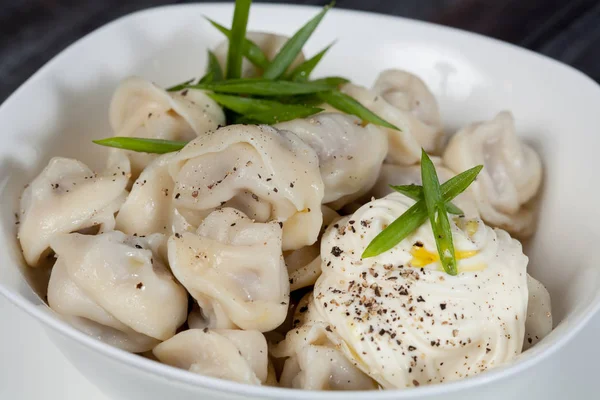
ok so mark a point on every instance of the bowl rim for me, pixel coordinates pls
(183, 377)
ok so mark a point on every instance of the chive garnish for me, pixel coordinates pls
(143, 145)
(349, 105)
(416, 215)
(438, 217)
(303, 71)
(263, 87)
(293, 47)
(415, 192)
(236, 41)
(250, 50)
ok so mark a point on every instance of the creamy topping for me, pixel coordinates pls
(404, 321)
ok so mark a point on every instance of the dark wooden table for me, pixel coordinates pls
(33, 31)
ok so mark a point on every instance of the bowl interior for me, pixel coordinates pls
(63, 106)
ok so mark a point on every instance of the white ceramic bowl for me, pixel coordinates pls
(64, 105)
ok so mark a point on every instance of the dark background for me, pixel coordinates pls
(33, 31)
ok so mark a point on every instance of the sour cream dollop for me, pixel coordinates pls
(405, 322)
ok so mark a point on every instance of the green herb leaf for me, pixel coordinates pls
(303, 71)
(236, 41)
(304, 99)
(275, 116)
(207, 78)
(415, 192)
(263, 87)
(437, 214)
(293, 47)
(213, 68)
(242, 105)
(335, 81)
(250, 50)
(415, 216)
(158, 146)
(398, 230)
(459, 183)
(263, 111)
(347, 104)
(179, 86)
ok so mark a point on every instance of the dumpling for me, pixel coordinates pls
(511, 176)
(269, 43)
(539, 313)
(66, 197)
(408, 92)
(398, 175)
(235, 269)
(139, 108)
(312, 361)
(304, 265)
(208, 314)
(235, 355)
(120, 283)
(404, 145)
(149, 206)
(347, 170)
(268, 174)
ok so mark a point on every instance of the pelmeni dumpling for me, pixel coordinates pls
(139, 108)
(236, 355)
(312, 361)
(405, 144)
(511, 175)
(408, 92)
(398, 175)
(268, 174)
(304, 265)
(539, 314)
(66, 197)
(347, 169)
(120, 283)
(235, 269)
(427, 326)
(209, 314)
(269, 43)
(149, 206)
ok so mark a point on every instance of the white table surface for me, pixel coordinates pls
(31, 367)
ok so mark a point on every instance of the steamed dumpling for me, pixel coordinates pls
(408, 92)
(399, 175)
(118, 287)
(269, 43)
(539, 314)
(139, 108)
(347, 169)
(66, 197)
(235, 355)
(304, 265)
(511, 176)
(268, 174)
(405, 144)
(234, 268)
(312, 361)
(149, 206)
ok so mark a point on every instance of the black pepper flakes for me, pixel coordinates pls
(443, 306)
(336, 251)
